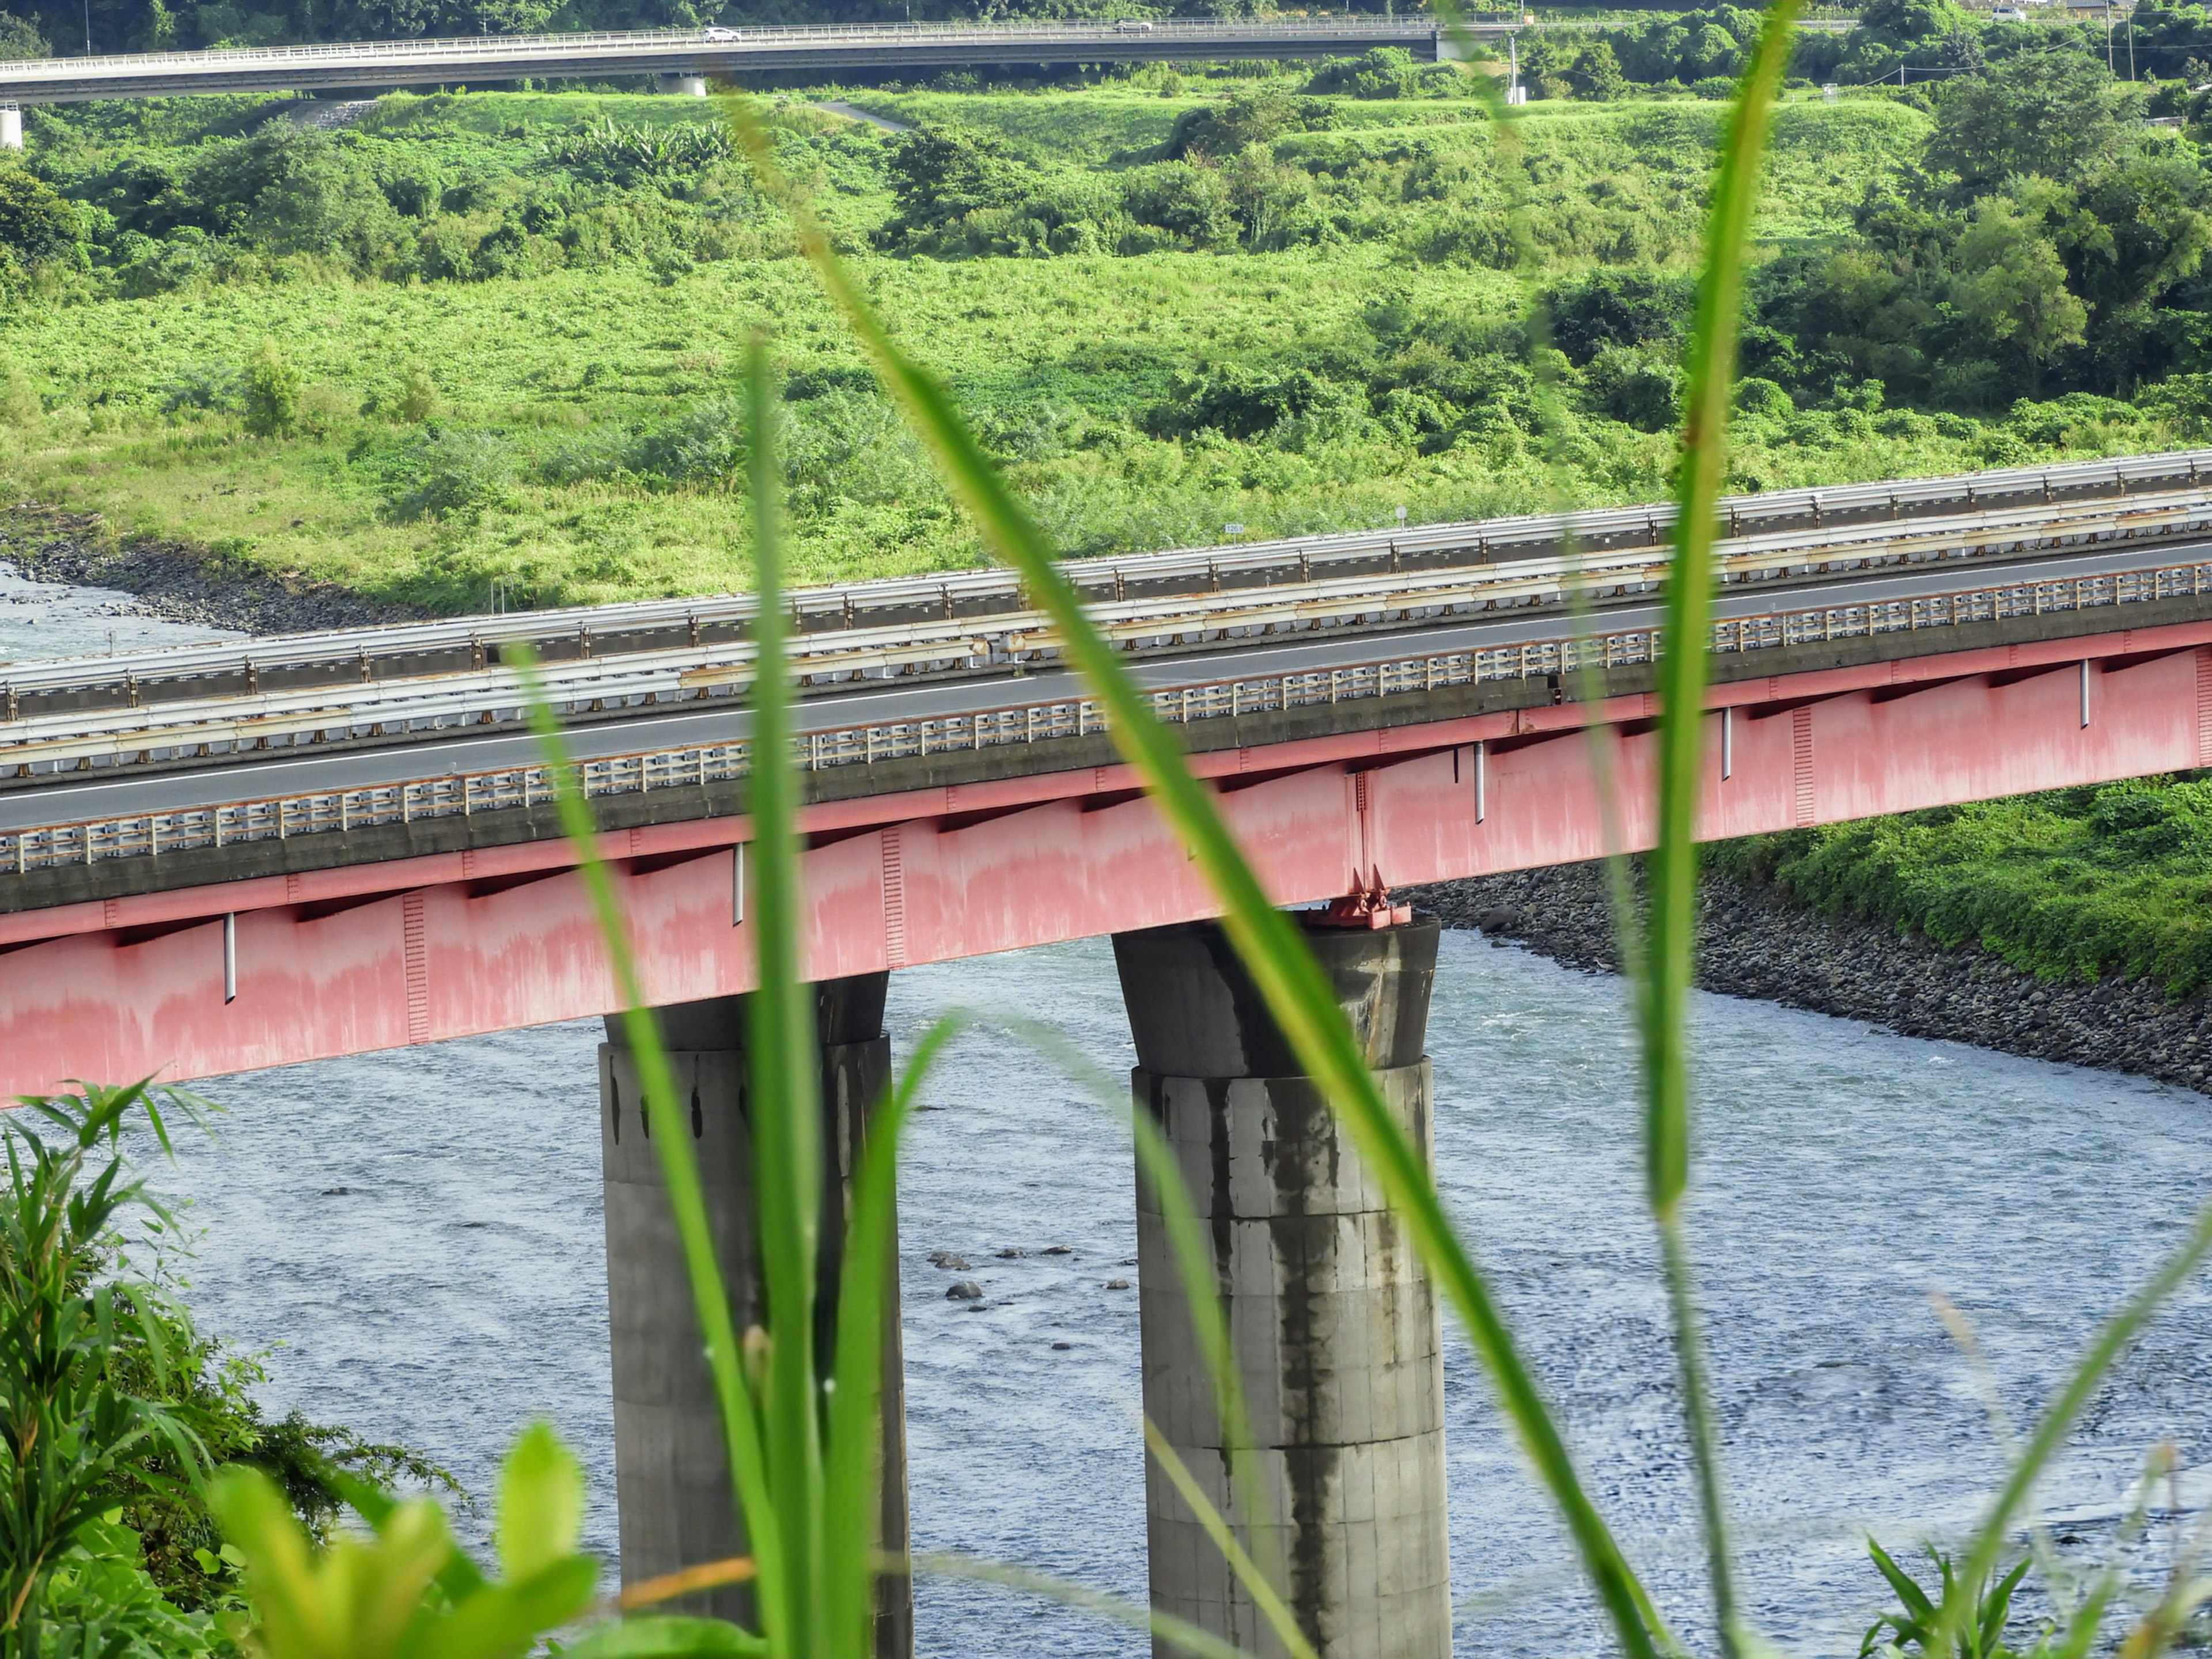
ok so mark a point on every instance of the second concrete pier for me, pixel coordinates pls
(1334, 1324)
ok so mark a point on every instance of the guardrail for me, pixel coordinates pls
(489, 47)
(352, 658)
(281, 817)
(1144, 624)
(711, 50)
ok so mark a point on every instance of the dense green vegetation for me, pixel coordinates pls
(484, 340)
(113, 1408)
(2079, 883)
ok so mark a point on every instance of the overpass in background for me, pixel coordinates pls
(699, 52)
(682, 58)
(221, 857)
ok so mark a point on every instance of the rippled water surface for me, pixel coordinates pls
(418, 1237)
(46, 619)
(454, 1286)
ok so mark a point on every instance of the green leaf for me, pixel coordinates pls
(506, 1620)
(541, 1503)
(852, 1479)
(1907, 1588)
(666, 1637)
(358, 1601)
(1296, 993)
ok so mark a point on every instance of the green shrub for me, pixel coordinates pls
(271, 392)
(19, 398)
(36, 224)
(418, 397)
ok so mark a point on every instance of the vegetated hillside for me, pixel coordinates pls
(2086, 884)
(487, 339)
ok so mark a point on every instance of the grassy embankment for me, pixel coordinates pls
(572, 432)
(2077, 883)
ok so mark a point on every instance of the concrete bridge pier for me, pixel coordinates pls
(1333, 1323)
(11, 127)
(682, 84)
(671, 1477)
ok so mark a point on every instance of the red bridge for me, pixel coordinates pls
(238, 856)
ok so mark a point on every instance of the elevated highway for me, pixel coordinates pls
(228, 855)
(691, 54)
(475, 59)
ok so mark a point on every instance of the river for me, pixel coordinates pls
(416, 1240)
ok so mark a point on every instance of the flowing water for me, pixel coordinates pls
(415, 1237)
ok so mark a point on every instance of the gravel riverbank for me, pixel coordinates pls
(1756, 943)
(172, 580)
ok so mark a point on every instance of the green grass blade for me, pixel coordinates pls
(1185, 1637)
(1247, 1572)
(1670, 933)
(1296, 993)
(710, 1297)
(852, 1483)
(1161, 1172)
(785, 1080)
(1955, 1616)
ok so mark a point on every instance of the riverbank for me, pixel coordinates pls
(174, 580)
(1754, 942)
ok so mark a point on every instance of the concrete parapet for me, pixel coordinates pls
(1334, 1324)
(673, 1487)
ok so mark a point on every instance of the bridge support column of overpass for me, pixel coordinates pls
(1334, 1324)
(11, 127)
(681, 85)
(671, 1479)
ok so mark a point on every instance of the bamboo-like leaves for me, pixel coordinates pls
(710, 1299)
(1296, 993)
(853, 1484)
(786, 1076)
(1663, 987)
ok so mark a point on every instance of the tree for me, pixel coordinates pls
(2011, 286)
(36, 224)
(272, 393)
(2057, 114)
(21, 40)
(941, 175)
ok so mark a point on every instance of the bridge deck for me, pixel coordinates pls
(700, 51)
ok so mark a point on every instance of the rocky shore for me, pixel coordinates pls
(1754, 942)
(174, 580)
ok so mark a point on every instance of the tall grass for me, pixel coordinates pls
(801, 1445)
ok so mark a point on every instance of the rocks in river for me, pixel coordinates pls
(1117, 1284)
(1062, 1347)
(337, 1191)
(1010, 1253)
(1754, 942)
(950, 1262)
(1056, 1250)
(963, 1290)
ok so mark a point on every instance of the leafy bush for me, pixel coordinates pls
(449, 473)
(270, 390)
(19, 38)
(621, 154)
(2077, 883)
(1257, 117)
(1389, 72)
(36, 225)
